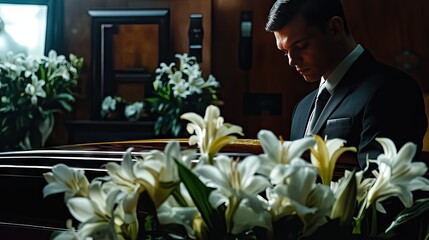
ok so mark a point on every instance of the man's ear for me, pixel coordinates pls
(336, 27)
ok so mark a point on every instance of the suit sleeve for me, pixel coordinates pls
(396, 111)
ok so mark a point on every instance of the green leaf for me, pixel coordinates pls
(214, 218)
(66, 96)
(42, 72)
(420, 208)
(176, 129)
(65, 105)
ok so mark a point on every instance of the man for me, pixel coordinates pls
(366, 100)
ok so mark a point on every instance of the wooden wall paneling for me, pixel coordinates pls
(388, 28)
(224, 56)
(181, 39)
(180, 14)
(76, 39)
(78, 33)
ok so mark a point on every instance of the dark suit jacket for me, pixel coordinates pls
(372, 100)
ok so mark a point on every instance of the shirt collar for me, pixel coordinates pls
(338, 73)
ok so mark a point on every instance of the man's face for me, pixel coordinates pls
(309, 50)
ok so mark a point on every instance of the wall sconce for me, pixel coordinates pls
(196, 36)
(245, 46)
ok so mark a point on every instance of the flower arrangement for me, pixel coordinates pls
(31, 90)
(210, 195)
(178, 89)
(117, 108)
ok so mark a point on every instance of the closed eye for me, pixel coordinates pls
(302, 45)
(297, 47)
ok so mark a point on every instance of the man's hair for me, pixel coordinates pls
(315, 12)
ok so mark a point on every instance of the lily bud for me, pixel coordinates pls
(345, 203)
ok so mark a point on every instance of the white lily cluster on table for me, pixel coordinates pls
(224, 198)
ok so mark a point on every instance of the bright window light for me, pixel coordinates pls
(24, 29)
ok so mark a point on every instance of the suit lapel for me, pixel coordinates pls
(304, 116)
(331, 105)
(352, 77)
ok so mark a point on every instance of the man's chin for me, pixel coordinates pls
(311, 79)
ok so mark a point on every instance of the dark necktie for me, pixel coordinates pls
(321, 101)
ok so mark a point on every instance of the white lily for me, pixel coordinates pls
(211, 133)
(211, 82)
(236, 186)
(192, 70)
(71, 233)
(175, 78)
(301, 195)
(345, 193)
(61, 71)
(157, 82)
(71, 181)
(398, 175)
(96, 212)
(181, 89)
(31, 65)
(164, 68)
(53, 60)
(184, 59)
(172, 152)
(170, 212)
(127, 175)
(325, 155)
(279, 152)
(363, 186)
(35, 89)
(195, 84)
(108, 104)
(168, 178)
(246, 218)
(126, 214)
(133, 111)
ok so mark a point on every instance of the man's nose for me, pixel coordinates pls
(293, 58)
(291, 61)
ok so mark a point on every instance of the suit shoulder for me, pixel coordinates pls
(389, 77)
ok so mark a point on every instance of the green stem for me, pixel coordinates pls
(178, 197)
(210, 157)
(230, 211)
(357, 227)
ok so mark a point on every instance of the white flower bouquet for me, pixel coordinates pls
(178, 89)
(206, 194)
(118, 108)
(31, 90)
